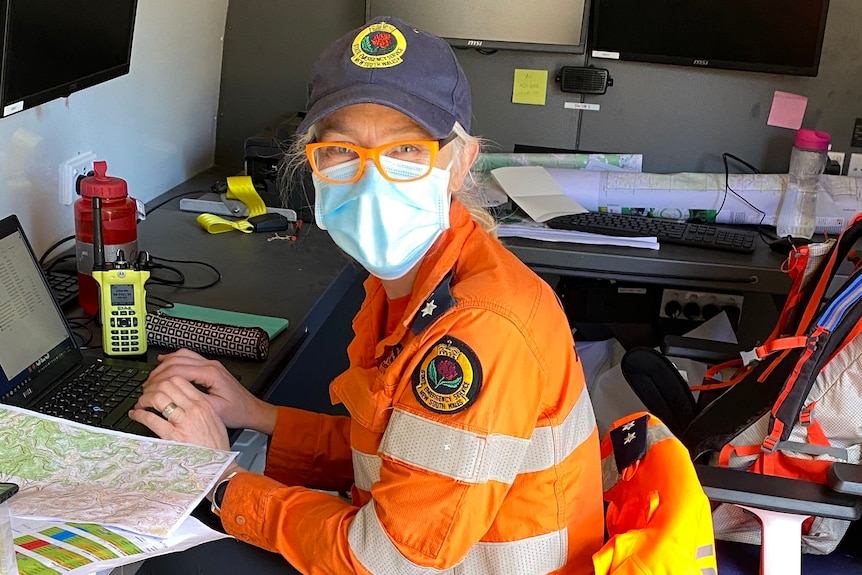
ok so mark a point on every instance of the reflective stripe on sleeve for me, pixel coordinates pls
(366, 469)
(552, 444)
(471, 457)
(456, 453)
(530, 556)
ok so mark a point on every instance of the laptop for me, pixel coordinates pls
(41, 365)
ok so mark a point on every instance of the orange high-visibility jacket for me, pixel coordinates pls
(658, 517)
(471, 438)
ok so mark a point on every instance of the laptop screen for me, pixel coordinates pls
(36, 345)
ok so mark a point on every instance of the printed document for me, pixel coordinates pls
(90, 479)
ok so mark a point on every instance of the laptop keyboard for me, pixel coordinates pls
(101, 395)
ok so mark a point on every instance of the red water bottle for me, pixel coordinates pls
(119, 229)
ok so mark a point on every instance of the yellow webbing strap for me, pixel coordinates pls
(238, 188)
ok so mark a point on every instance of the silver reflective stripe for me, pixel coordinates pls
(709, 571)
(552, 444)
(373, 548)
(456, 453)
(531, 556)
(610, 473)
(366, 470)
(474, 458)
(704, 551)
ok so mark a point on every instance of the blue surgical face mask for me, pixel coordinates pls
(386, 226)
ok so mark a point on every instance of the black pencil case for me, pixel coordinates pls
(207, 338)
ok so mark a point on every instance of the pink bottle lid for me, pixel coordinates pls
(812, 140)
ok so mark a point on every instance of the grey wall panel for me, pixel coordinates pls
(269, 47)
(681, 119)
(505, 124)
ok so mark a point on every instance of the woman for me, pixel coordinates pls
(471, 439)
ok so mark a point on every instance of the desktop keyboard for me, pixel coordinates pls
(64, 286)
(673, 232)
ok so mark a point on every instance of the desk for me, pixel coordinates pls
(757, 276)
(303, 281)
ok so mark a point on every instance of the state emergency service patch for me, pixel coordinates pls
(449, 377)
(380, 45)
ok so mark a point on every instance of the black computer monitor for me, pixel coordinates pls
(775, 36)
(536, 25)
(52, 48)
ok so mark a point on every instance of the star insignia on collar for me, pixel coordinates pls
(429, 308)
(628, 425)
(629, 438)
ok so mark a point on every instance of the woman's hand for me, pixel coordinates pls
(237, 407)
(174, 409)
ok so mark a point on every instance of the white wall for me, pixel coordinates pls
(155, 126)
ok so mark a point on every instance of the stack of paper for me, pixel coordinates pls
(523, 228)
(91, 499)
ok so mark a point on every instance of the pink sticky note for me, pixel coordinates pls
(787, 110)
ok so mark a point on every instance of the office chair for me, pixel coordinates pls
(781, 504)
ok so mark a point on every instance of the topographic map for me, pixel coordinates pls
(73, 472)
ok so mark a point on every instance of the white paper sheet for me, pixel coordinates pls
(73, 472)
(536, 192)
(82, 549)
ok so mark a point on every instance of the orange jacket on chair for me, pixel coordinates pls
(658, 517)
(471, 439)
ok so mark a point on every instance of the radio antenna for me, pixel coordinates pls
(98, 242)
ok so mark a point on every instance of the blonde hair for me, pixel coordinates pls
(295, 163)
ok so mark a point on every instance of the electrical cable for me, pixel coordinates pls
(153, 267)
(53, 247)
(176, 283)
(58, 260)
(172, 198)
(759, 226)
(160, 301)
(191, 262)
(81, 324)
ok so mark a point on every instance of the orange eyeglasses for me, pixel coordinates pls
(352, 159)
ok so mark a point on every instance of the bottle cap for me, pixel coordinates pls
(812, 140)
(102, 185)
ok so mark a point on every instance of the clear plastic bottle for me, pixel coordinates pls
(797, 214)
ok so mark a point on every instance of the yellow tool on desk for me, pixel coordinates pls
(260, 218)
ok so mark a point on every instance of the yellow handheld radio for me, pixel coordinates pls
(122, 298)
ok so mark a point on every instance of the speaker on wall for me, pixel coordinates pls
(584, 80)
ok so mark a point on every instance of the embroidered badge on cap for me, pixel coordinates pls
(380, 45)
(449, 377)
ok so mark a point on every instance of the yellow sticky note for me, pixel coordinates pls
(530, 87)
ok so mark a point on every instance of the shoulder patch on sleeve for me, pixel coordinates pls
(448, 378)
(630, 441)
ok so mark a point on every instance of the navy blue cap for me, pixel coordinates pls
(389, 62)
